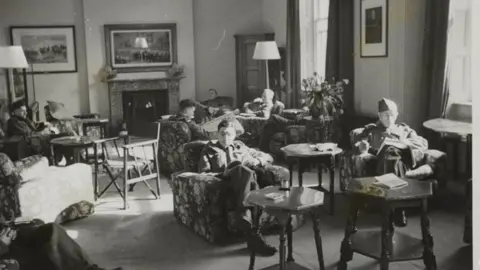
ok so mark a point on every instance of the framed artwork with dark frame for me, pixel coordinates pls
(17, 85)
(373, 28)
(141, 47)
(48, 49)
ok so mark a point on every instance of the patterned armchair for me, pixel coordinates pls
(173, 136)
(431, 166)
(200, 201)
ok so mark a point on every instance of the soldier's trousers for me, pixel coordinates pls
(276, 123)
(392, 160)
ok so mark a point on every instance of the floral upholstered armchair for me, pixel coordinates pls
(200, 201)
(431, 166)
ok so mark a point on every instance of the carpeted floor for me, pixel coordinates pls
(147, 237)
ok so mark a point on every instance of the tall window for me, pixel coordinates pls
(313, 36)
(459, 51)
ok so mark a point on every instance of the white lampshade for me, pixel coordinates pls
(266, 50)
(12, 57)
(141, 42)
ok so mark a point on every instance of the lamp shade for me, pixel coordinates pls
(266, 50)
(141, 42)
(12, 57)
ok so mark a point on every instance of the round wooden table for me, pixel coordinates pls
(386, 245)
(454, 127)
(296, 201)
(304, 154)
(73, 143)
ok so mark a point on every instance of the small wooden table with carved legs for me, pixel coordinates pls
(303, 154)
(387, 245)
(297, 200)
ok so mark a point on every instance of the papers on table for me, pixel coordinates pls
(276, 197)
(390, 181)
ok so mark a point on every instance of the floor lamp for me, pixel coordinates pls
(266, 50)
(12, 57)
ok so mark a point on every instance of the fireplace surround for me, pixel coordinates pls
(117, 87)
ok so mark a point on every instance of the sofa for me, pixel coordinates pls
(201, 201)
(31, 189)
(431, 166)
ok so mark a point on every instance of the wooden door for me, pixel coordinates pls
(251, 78)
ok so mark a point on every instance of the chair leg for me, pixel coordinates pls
(157, 168)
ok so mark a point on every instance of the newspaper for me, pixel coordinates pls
(212, 125)
(393, 142)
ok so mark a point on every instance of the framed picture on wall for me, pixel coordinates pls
(17, 85)
(141, 47)
(373, 28)
(49, 49)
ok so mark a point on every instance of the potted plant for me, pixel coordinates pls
(176, 72)
(324, 99)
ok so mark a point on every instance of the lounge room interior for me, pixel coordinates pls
(228, 134)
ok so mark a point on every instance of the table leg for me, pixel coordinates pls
(331, 170)
(256, 213)
(320, 175)
(290, 168)
(427, 239)
(318, 239)
(300, 173)
(346, 247)
(386, 238)
(283, 219)
(95, 156)
(469, 156)
(290, 240)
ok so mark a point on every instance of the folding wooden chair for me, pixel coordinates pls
(131, 165)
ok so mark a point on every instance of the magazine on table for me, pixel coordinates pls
(390, 181)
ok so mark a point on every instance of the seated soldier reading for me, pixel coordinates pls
(264, 106)
(186, 115)
(396, 146)
(20, 125)
(240, 166)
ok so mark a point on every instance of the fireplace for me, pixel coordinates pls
(141, 108)
(140, 102)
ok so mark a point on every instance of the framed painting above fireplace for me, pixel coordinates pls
(141, 47)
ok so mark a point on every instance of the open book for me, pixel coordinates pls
(390, 181)
(393, 142)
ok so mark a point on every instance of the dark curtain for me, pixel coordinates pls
(292, 67)
(434, 57)
(340, 56)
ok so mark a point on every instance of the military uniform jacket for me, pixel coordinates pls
(214, 157)
(375, 133)
(198, 133)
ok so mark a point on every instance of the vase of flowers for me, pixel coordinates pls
(176, 72)
(323, 98)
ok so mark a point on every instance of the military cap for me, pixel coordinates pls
(387, 105)
(18, 104)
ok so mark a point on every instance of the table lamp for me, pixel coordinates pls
(266, 50)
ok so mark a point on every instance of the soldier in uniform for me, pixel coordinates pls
(186, 115)
(245, 169)
(398, 157)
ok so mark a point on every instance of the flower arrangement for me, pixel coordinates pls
(107, 73)
(176, 72)
(323, 98)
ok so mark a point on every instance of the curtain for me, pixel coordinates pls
(435, 69)
(340, 57)
(292, 67)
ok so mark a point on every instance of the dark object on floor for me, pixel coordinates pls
(467, 230)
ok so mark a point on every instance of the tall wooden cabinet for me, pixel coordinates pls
(251, 73)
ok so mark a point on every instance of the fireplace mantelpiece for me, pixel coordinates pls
(116, 87)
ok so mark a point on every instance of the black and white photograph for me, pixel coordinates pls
(140, 47)
(48, 49)
(374, 28)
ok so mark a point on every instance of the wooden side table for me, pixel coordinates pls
(73, 143)
(387, 245)
(303, 155)
(297, 200)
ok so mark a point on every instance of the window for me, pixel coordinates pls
(459, 51)
(313, 36)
